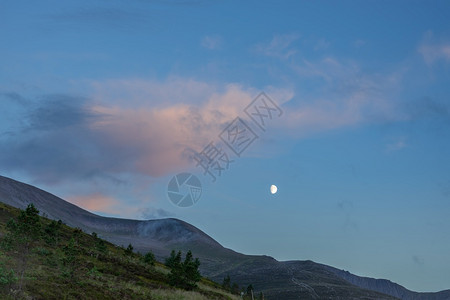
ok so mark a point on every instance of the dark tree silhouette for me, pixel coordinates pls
(183, 274)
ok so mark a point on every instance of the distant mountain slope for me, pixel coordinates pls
(278, 280)
(388, 287)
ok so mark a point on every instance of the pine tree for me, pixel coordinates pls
(191, 272)
(235, 288)
(100, 245)
(22, 234)
(149, 258)
(226, 284)
(129, 250)
(52, 232)
(176, 269)
(70, 259)
(172, 258)
(183, 274)
(249, 291)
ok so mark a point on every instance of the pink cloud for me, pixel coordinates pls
(159, 138)
(97, 202)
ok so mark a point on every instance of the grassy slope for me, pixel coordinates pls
(97, 276)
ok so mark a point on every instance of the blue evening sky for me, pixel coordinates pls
(102, 102)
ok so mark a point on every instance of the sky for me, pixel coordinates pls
(104, 102)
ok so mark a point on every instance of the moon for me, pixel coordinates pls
(273, 189)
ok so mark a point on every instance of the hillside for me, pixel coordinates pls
(65, 263)
(278, 280)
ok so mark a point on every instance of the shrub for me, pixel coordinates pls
(7, 277)
(149, 258)
(129, 250)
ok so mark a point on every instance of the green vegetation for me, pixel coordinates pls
(22, 235)
(129, 250)
(183, 274)
(149, 258)
(45, 259)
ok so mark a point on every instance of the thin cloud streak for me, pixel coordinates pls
(433, 50)
(397, 145)
(279, 46)
(212, 42)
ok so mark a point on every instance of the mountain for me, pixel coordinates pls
(388, 287)
(159, 236)
(278, 280)
(60, 262)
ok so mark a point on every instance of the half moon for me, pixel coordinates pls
(273, 189)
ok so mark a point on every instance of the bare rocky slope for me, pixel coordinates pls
(278, 280)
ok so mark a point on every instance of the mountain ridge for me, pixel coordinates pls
(278, 279)
(387, 286)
